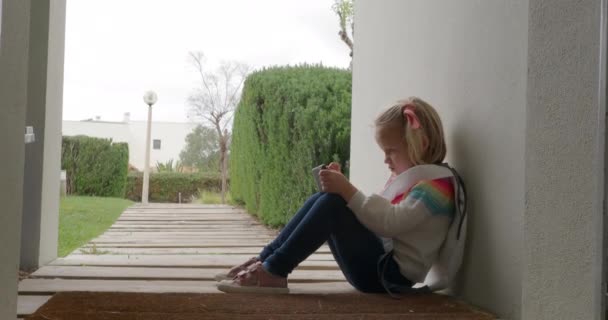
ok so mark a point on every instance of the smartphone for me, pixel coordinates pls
(315, 174)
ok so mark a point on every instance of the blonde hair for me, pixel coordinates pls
(425, 145)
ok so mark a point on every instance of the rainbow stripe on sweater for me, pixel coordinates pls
(437, 195)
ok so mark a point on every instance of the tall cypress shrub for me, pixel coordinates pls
(289, 120)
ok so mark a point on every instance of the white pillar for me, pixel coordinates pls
(146, 182)
(51, 170)
(14, 39)
(562, 255)
(40, 218)
(34, 152)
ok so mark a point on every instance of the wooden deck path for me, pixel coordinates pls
(170, 248)
(159, 261)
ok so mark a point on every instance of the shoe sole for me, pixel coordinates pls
(229, 287)
(222, 276)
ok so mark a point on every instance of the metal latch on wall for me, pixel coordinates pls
(30, 137)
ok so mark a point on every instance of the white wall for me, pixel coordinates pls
(171, 134)
(13, 90)
(564, 165)
(118, 131)
(468, 59)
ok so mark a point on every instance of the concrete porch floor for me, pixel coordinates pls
(172, 249)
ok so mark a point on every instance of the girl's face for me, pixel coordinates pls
(391, 141)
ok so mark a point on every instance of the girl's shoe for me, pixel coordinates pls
(254, 280)
(235, 270)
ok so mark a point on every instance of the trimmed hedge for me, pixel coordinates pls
(289, 120)
(166, 186)
(94, 166)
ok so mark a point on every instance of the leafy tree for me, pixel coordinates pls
(346, 13)
(215, 100)
(201, 150)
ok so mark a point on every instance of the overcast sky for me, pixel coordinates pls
(118, 49)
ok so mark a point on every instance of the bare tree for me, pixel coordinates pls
(215, 100)
(346, 12)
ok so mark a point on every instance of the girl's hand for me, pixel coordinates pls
(335, 182)
(334, 166)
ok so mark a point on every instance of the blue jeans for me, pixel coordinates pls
(325, 217)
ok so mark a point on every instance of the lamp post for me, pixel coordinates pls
(150, 98)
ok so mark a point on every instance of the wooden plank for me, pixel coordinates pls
(239, 213)
(244, 221)
(200, 224)
(185, 228)
(187, 239)
(194, 243)
(200, 235)
(206, 241)
(204, 228)
(186, 218)
(154, 206)
(167, 241)
(50, 286)
(165, 251)
(232, 259)
(214, 223)
(189, 212)
(223, 220)
(163, 231)
(111, 234)
(231, 217)
(186, 210)
(180, 218)
(188, 229)
(182, 245)
(176, 237)
(171, 228)
(118, 273)
(243, 257)
(216, 220)
(180, 226)
(27, 305)
(242, 216)
(208, 261)
(189, 233)
(181, 215)
(224, 213)
(181, 230)
(180, 205)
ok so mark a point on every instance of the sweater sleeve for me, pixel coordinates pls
(426, 199)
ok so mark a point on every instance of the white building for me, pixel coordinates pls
(168, 138)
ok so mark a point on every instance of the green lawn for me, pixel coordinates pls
(84, 218)
(208, 197)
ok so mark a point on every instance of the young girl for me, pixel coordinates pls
(384, 242)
